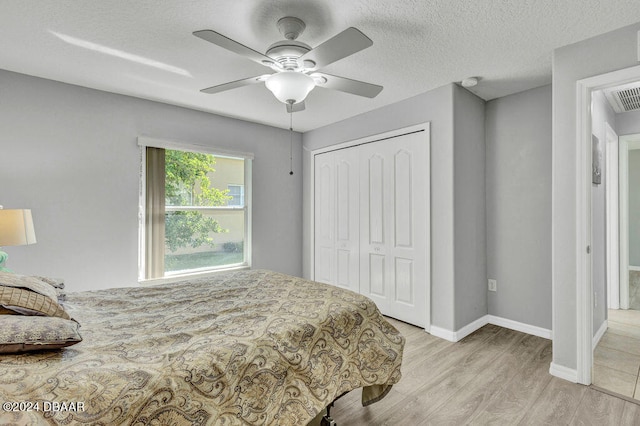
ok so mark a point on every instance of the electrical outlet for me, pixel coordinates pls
(493, 285)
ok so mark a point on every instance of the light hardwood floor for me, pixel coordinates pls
(493, 376)
(616, 359)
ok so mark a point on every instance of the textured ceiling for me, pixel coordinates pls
(145, 48)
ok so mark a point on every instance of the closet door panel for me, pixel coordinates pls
(403, 200)
(376, 196)
(410, 249)
(404, 281)
(344, 191)
(324, 222)
(377, 276)
(397, 184)
(336, 218)
(347, 230)
(376, 272)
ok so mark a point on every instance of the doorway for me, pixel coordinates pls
(629, 295)
(585, 296)
(616, 357)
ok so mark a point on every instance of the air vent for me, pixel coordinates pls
(630, 99)
(624, 98)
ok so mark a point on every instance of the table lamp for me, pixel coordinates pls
(16, 229)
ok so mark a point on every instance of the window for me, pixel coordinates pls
(237, 195)
(195, 215)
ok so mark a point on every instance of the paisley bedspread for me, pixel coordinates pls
(245, 347)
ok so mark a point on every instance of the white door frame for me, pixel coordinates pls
(627, 143)
(612, 219)
(584, 285)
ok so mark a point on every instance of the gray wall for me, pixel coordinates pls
(601, 113)
(435, 107)
(634, 207)
(518, 137)
(469, 206)
(628, 123)
(599, 55)
(70, 154)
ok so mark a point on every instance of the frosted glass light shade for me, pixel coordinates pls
(290, 86)
(16, 228)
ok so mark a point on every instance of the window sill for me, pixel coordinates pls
(186, 276)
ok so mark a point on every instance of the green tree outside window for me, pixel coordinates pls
(187, 184)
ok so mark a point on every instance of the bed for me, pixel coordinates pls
(243, 347)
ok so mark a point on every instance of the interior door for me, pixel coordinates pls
(394, 220)
(336, 223)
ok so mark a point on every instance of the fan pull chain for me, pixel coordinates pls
(291, 142)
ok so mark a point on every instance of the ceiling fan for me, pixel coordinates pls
(295, 64)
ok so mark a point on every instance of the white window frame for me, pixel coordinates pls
(143, 143)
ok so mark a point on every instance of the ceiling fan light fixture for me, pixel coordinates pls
(290, 86)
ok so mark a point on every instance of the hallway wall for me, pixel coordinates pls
(518, 191)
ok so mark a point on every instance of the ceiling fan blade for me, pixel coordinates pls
(235, 47)
(340, 46)
(343, 84)
(295, 107)
(234, 84)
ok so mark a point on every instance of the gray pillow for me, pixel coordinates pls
(19, 333)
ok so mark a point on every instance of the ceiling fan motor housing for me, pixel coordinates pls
(287, 52)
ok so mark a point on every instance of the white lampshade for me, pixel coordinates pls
(290, 86)
(16, 228)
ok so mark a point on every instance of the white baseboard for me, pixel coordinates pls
(565, 373)
(442, 333)
(600, 333)
(470, 328)
(519, 326)
(455, 336)
(634, 268)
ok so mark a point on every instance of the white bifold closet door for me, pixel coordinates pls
(393, 220)
(371, 223)
(336, 222)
